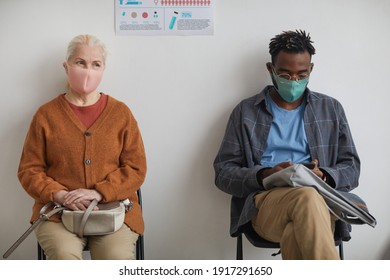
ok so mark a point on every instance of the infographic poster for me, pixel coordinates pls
(164, 17)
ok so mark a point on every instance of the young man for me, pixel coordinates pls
(284, 124)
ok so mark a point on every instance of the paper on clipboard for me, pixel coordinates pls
(350, 207)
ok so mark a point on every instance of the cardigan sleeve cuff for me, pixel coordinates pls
(106, 192)
(49, 191)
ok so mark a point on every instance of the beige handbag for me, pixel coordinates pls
(108, 219)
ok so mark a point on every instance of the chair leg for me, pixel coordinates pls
(239, 253)
(140, 248)
(341, 250)
(41, 253)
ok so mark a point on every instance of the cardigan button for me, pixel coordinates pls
(87, 133)
(88, 162)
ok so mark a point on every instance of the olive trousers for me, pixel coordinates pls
(60, 244)
(298, 219)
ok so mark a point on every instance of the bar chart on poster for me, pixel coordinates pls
(164, 17)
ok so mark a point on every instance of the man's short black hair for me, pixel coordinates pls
(291, 41)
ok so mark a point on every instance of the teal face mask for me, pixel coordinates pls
(289, 90)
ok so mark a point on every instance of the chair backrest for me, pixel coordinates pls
(139, 247)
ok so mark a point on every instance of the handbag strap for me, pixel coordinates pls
(42, 217)
(83, 222)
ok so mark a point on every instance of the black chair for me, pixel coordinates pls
(341, 234)
(139, 247)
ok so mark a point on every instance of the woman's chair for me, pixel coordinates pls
(341, 234)
(139, 247)
(139, 253)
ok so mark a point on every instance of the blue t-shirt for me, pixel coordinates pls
(287, 137)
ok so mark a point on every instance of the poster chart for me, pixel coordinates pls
(164, 17)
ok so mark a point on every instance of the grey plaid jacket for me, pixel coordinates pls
(238, 160)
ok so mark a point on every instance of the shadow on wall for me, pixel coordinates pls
(386, 252)
(44, 82)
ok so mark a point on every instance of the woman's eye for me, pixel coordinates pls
(97, 66)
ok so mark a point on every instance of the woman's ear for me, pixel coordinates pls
(65, 65)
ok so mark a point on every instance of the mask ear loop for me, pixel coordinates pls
(273, 78)
(277, 78)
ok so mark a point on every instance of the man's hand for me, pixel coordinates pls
(318, 171)
(269, 171)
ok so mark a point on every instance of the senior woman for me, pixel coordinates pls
(84, 145)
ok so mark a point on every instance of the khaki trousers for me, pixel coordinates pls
(60, 244)
(299, 220)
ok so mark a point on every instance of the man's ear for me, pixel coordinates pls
(311, 67)
(269, 66)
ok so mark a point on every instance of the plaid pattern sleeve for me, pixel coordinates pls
(330, 141)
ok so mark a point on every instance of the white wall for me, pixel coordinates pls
(182, 90)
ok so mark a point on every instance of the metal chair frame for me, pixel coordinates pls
(260, 242)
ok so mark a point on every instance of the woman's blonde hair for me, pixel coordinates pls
(85, 40)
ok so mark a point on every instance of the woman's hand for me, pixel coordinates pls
(59, 197)
(79, 195)
(80, 206)
(77, 199)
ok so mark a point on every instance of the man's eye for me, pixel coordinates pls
(285, 76)
(303, 76)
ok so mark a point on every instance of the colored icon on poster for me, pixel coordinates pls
(173, 20)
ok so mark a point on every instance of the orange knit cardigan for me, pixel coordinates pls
(59, 153)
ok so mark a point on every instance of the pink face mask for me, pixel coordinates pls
(82, 80)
